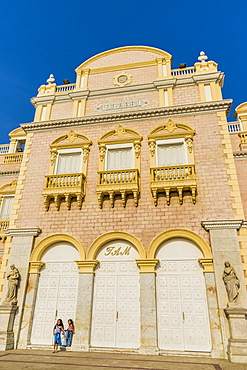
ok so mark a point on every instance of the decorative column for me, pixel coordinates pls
(232, 308)
(148, 306)
(81, 340)
(29, 305)
(22, 243)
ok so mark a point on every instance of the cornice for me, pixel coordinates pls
(163, 112)
(9, 173)
(209, 77)
(244, 225)
(43, 99)
(122, 90)
(25, 231)
(222, 224)
(240, 155)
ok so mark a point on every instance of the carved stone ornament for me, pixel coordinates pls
(72, 136)
(85, 154)
(232, 283)
(13, 278)
(189, 143)
(122, 79)
(53, 157)
(170, 126)
(152, 147)
(137, 148)
(102, 151)
(120, 131)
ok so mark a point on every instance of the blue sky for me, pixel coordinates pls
(42, 37)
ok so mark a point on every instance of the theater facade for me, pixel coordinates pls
(123, 207)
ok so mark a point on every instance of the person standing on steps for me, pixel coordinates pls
(69, 333)
(58, 329)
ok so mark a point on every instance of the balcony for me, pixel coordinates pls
(173, 178)
(243, 140)
(4, 148)
(13, 158)
(121, 182)
(4, 225)
(66, 187)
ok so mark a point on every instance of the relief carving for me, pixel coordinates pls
(232, 283)
(13, 278)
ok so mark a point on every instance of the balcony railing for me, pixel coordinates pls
(4, 148)
(13, 158)
(63, 88)
(4, 225)
(118, 182)
(183, 71)
(66, 186)
(243, 140)
(173, 178)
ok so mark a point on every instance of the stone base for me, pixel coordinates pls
(237, 344)
(237, 350)
(80, 347)
(149, 350)
(7, 315)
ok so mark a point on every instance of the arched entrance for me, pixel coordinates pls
(182, 311)
(116, 305)
(57, 290)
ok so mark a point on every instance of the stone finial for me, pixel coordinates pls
(202, 57)
(51, 79)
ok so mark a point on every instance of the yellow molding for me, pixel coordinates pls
(147, 265)
(40, 248)
(160, 52)
(87, 267)
(35, 267)
(179, 233)
(111, 236)
(123, 67)
(207, 264)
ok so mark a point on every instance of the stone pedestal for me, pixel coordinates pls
(237, 344)
(7, 315)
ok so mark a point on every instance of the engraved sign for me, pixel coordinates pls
(120, 251)
(124, 104)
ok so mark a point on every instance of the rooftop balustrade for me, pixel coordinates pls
(4, 148)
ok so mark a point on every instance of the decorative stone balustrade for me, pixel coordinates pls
(13, 158)
(66, 187)
(4, 225)
(173, 178)
(234, 127)
(243, 140)
(63, 88)
(183, 71)
(118, 182)
(4, 148)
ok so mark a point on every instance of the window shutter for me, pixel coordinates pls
(6, 208)
(118, 159)
(69, 163)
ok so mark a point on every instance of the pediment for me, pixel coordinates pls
(171, 128)
(8, 188)
(121, 134)
(72, 139)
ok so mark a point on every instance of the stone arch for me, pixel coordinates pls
(179, 233)
(48, 241)
(103, 239)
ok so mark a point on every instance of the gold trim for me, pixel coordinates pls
(147, 266)
(35, 267)
(207, 263)
(179, 233)
(87, 267)
(114, 235)
(40, 248)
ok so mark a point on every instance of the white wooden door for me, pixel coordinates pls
(56, 299)
(116, 306)
(182, 311)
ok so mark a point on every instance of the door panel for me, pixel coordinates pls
(56, 298)
(115, 319)
(182, 311)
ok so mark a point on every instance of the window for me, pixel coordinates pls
(119, 167)
(6, 207)
(172, 165)
(70, 162)
(119, 158)
(171, 153)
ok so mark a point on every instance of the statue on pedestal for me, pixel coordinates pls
(13, 281)
(232, 283)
